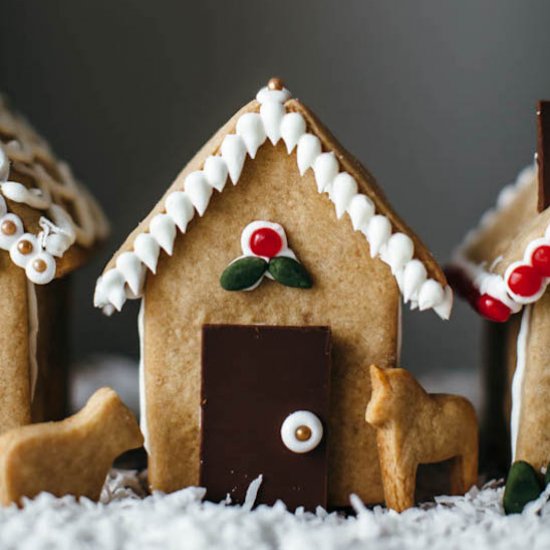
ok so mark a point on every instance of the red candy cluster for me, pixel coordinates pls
(266, 242)
(486, 305)
(526, 280)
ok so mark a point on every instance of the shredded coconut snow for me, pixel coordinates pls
(127, 519)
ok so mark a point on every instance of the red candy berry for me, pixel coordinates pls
(525, 281)
(266, 242)
(493, 309)
(541, 260)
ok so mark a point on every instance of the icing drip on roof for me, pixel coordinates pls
(272, 123)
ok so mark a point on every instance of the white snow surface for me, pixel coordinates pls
(127, 519)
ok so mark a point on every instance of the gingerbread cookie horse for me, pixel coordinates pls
(414, 427)
(71, 457)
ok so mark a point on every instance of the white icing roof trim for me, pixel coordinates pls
(126, 279)
(480, 274)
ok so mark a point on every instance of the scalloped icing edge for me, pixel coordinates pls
(273, 123)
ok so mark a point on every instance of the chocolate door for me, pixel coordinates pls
(265, 403)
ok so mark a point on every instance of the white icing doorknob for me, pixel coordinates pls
(301, 431)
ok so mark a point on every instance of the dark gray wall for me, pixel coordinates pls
(437, 98)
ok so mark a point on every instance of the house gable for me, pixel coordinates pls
(274, 117)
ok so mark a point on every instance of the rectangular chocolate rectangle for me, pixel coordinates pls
(253, 378)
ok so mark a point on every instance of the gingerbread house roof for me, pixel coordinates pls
(272, 117)
(485, 266)
(48, 221)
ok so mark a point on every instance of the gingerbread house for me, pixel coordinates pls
(503, 269)
(270, 276)
(49, 224)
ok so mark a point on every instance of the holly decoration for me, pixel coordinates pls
(541, 260)
(265, 253)
(486, 305)
(266, 242)
(243, 273)
(289, 272)
(522, 486)
(493, 309)
(525, 280)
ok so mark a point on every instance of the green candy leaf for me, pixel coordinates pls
(522, 486)
(243, 273)
(289, 272)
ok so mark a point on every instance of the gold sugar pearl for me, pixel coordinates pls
(8, 227)
(302, 433)
(275, 84)
(40, 265)
(24, 246)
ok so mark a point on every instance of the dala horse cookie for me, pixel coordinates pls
(71, 457)
(414, 427)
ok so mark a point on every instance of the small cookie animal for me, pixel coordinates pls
(414, 427)
(68, 457)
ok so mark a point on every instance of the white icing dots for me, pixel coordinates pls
(199, 191)
(360, 210)
(344, 189)
(431, 294)
(233, 152)
(163, 229)
(414, 276)
(41, 268)
(293, 127)
(266, 95)
(272, 113)
(147, 250)
(378, 233)
(180, 209)
(252, 130)
(309, 148)
(111, 289)
(301, 432)
(24, 249)
(11, 228)
(129, 264)
(216, 172)
(325, 168)
(399, 252)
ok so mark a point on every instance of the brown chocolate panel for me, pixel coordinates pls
(543, 154)
(253, 377)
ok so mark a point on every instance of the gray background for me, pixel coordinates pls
(436, 98)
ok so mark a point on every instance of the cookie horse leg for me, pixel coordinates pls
(464, 469)
(398, 475)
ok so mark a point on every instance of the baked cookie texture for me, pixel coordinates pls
(503, 269)
(414, 427)
(272, 161)
(70, 457)
(49, 225)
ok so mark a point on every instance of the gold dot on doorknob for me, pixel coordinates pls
(303, 433)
